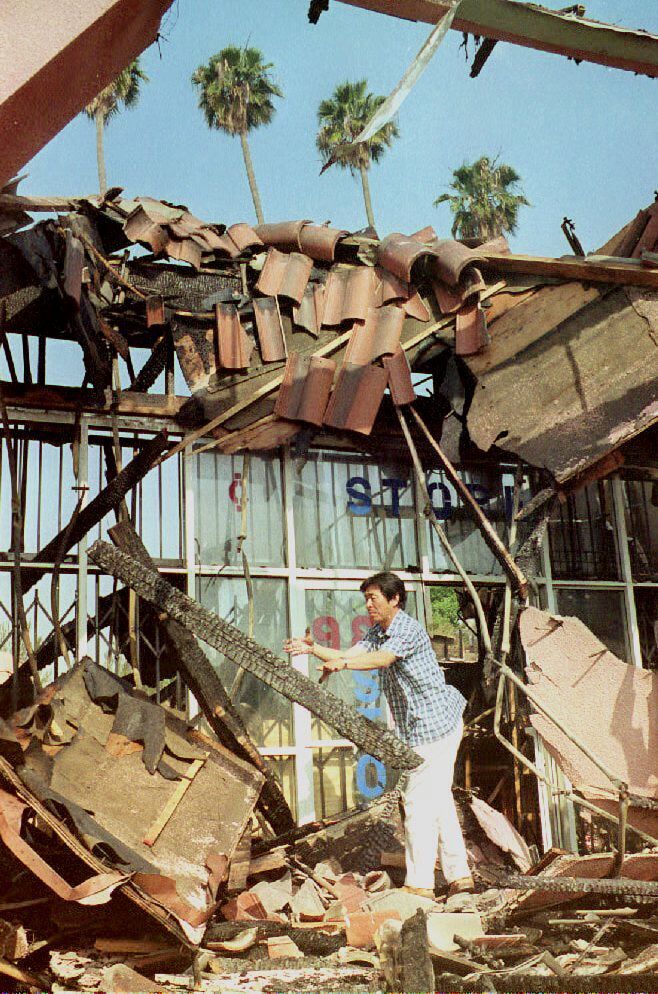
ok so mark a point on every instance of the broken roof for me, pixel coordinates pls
(563, 369)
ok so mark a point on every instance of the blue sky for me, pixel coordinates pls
(583, 138)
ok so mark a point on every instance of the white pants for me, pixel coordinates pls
(431, 820)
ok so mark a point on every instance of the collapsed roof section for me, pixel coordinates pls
(296, 326)
(564, 32)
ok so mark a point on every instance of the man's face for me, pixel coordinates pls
(380, 610)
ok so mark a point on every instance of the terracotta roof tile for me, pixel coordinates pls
(305, 388)
(470, 329)
(284, 235)
(270, 332)
(416, 307)
(399, 378)
(237, 239)
(74, 260)
(309, 315)
(155, 312)
(320, 242)
(349, 294)
(427, 234)
(389, 288)
(451, 258)
(356, 398)
(185, 250)
(451, 298)
(649, 237)
(398, 253)
(378, 335)
(172, 230)
(234, 346)
(285, 275)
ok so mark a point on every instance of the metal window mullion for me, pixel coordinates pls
(81, 600)
(621, 536)
(301, 718)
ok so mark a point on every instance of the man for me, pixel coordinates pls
(428, 717)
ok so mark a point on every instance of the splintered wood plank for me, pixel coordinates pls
(173, 802)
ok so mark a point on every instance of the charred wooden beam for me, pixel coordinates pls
(109, 498)
(202, 679)
(243, 651)
(154, 365)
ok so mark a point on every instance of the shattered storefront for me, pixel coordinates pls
(264, 418)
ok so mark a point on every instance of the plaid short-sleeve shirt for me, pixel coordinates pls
(423, 705)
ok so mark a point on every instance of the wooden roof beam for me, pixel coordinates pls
(536, 27)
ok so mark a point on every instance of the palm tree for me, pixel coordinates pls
(123, 91)
(341, 119)
(484, 203)
(235, 95)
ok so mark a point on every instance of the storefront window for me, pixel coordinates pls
(218, 514)
(646, 607)
(601, 610)
(353, 514)
(494, 492)
(267, 715)
(582, 536)
(641, 505)
(337, 618)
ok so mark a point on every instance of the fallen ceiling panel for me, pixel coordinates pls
(533, 26)
(568, 390)
(614, 707)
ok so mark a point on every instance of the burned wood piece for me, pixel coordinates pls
(243, 651)
(199, 675)
(152, 368)
(415, 962)
(502, 554)
(312, 942)
(622, 886)
(109, 498)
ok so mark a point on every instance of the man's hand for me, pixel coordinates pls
(299, 646)
(331, 666)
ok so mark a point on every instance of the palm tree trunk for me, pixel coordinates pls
(249, 166)
(366, 195)
(100, 152)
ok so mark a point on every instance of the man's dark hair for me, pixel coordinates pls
(389, 583)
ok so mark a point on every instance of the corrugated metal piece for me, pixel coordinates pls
(399, 378)
(270, 332)
(234, 346)
(284, 235)
(470, 329)
(356, 398)
(320, 242)
(378, 335)
(285, 275)
(304, 391)
(576, 677)
(569, 377)
(310, 313)
(349, 294)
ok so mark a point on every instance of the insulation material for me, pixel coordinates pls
(612, 706)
